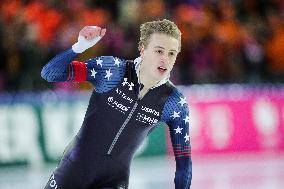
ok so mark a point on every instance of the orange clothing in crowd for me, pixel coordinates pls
(98, 17)
(275, 52)
(47, 20)
(228, 32)
(10, 9)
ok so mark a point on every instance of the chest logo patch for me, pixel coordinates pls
(147, 115)
(116, 105)
(130, 85)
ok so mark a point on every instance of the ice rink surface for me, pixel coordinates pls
(234, 171)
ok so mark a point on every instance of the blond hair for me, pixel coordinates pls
(160, 26)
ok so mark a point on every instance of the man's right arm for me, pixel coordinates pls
(59, 68)
(63, 68)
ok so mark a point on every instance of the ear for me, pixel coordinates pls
(142, 49)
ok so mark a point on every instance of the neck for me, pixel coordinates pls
(146, 80)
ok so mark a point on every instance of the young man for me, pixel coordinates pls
(129, 99)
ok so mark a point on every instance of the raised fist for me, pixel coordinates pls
(88, 37)
(90, 32)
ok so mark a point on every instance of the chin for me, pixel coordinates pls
(160, 78)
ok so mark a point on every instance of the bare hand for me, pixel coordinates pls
(90, 32)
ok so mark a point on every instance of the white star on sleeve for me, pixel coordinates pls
(99, 62)
(116, 62)
(186, 137)
(175, 115)
(108, 74)
(182, 101)
(93, 73)
(186, 119)
(178, 130)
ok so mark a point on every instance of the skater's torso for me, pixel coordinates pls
(118, 120)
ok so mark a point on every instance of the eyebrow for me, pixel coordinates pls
(164, 48)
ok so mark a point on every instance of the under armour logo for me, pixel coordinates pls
(130, 85)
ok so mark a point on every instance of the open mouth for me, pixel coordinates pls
(161, 69)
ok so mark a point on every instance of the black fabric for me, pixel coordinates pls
(102, 172)
(95, 160)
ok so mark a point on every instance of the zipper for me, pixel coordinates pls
(122, 127)
(125, 122)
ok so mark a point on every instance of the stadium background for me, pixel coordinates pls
(231, 70)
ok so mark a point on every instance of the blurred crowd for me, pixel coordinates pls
(238, 41)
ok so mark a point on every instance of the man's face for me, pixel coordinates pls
(159, 56)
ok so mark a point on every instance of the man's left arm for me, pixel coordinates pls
(177, 115)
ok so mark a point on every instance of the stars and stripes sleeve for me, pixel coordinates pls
(57, 69)
(103, 72)
(176, 115)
